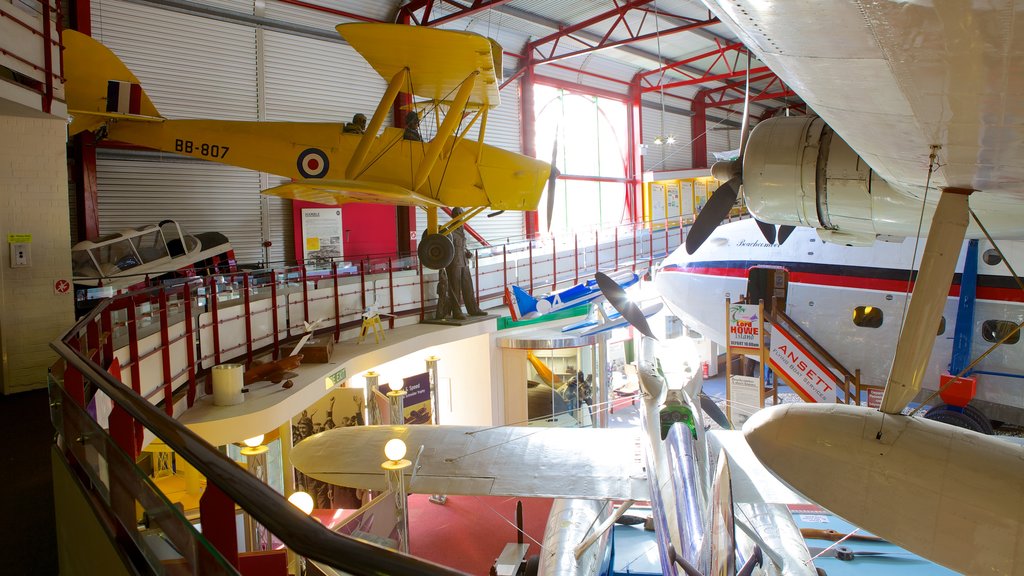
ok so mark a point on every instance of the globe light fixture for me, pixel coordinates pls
(302, 500)
(395, 449)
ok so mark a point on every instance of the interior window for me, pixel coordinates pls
(996, 330)
(991, 257)
(867, 316)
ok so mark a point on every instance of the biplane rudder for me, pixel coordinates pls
(99, 86)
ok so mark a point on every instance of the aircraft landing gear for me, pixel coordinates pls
(436, 251)
(967, 417)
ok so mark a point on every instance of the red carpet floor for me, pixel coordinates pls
(468, 532)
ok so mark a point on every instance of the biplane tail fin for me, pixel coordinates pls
(100, 87)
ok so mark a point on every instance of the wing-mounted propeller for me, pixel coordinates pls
(723, 199)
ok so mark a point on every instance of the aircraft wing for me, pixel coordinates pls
(438, 60)
(338, 192)
(590, 463)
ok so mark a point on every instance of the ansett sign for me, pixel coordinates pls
(812, 381)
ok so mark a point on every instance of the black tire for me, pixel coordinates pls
(436, 251)
(959, 419)
(532, 566)
(971, 412)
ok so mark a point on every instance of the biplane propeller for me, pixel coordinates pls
(459, 72)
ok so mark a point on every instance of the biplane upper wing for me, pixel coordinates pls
(338, 192)
(591, 463)
(438, 60)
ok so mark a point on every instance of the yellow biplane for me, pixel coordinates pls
(456, 71)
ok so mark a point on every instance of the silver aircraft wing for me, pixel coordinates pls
(590, 463)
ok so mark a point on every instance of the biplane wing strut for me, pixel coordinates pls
(356, 164)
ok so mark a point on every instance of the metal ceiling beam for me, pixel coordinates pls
(425, 8)
(605, 42)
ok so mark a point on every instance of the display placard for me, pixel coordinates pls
(812, 381)
(744, 399)
(744, 326)
(321, 234)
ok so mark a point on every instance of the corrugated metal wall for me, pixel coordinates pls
(676, 156)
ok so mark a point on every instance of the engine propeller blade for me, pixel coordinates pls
(767, 230)
(552, 180)
(712, 214)
(616, 296)
(784, 231)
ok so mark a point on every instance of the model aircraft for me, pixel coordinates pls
(898, 118)
(523, 306)
(829, 286)
(283, 369)
(459, 71)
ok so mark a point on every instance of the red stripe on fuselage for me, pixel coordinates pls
(856, 282)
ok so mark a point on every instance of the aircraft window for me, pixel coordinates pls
(942, 326)
(991, 257)
(867, 316)
(996, 330)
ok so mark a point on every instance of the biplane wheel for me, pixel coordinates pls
(436, 251)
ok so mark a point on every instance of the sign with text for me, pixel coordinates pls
(744, 399)
(744, 326)
(812, 381)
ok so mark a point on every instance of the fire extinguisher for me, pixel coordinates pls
(705, 369)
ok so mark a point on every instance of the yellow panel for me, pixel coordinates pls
(338, 192)
(438, 60)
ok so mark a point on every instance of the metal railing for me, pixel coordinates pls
(165, 339)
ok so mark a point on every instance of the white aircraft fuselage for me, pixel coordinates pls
(828, 281)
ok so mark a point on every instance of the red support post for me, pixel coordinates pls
(423, 297)
(530, 258)
(217, 516)
(337, 302)
(165, 353)
(211, 301)
(529, 132)
(273, 313)
(504, 266)
(576, 258)
(391, 294)
(554, 263)
(74, 384)
(190, 346)
(134, 360)
(698, 130)
(247, 303)
(305, 299)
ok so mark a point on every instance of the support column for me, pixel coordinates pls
(529, 133)
(698, 130)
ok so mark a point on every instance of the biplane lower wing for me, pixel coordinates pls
(588, 463)
(338, 192)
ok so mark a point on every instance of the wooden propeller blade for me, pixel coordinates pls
(552, 180)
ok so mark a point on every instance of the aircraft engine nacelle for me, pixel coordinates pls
(798, 171)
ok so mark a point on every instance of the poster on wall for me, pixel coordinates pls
(417, 408)
(341, 407)
(672, 201)
(657, 201)
(321, 234)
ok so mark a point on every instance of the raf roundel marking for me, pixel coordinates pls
(313, 163)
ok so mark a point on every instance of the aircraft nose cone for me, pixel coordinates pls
(762, 430)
